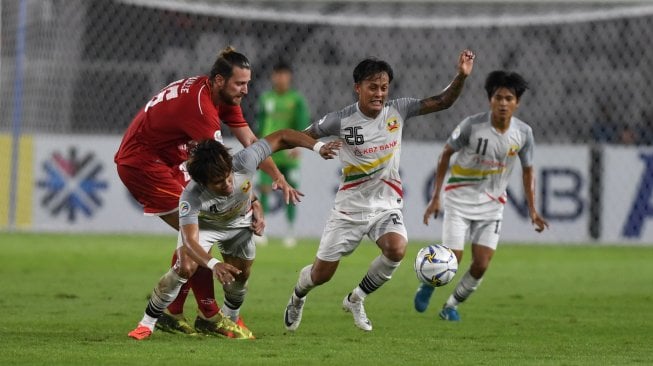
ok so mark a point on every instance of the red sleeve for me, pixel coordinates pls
(232, 115)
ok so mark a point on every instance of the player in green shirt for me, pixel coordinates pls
(279, 108)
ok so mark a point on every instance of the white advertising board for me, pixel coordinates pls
(76, 188)
(562, 186)
(627, 214)
(562, 174)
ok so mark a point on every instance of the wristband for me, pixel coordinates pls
(318, 145)
(212, 262)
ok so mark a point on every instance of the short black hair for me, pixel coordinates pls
(281, 66)
(505, 79)
(209, 160)
(369, 67)
(227, 59)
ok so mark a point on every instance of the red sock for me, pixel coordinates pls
(177, 306)
(202, 284)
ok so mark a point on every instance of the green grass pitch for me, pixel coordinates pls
(71, 299)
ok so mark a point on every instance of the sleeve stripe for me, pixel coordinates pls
(199, 104)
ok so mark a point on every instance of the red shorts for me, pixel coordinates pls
(156, 188)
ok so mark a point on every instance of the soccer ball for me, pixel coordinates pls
(436, 265)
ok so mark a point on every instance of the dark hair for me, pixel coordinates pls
(209, 160)
(370, 67)
(281, 66)
(505, 79)
(227, 59)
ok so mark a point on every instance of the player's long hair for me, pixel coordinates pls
(370, 67)
(209, 161)
(226, 61)
(505, 79)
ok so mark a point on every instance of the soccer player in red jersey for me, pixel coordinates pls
(151, 162)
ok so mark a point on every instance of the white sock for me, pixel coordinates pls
(234, 296)
(467, 285)
(451, 302)
(304, 283)
(164, 294)
(148, 322)
(230, 313)
(357, 295)
(380, 272)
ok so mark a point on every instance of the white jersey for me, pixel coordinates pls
(200, 206)
(479, 175)
(370, 154)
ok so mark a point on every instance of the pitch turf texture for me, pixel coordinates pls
(71, 299)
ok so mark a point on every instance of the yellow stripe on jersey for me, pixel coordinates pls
(367, 167)
(460, 171)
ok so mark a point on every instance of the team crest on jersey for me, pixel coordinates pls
(392, 124)
(513, 150)
(246, 186)
(184, 208)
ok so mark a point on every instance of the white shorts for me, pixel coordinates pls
(237, 242)
(482, 232)
(344, 232)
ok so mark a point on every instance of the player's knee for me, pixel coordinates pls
(244, 275)
(245, 268)
(186, 270)
(393, 246)
(320, 277)
(395, 253)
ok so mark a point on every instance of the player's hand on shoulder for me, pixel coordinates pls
(466, 62)
(433, 209)
(330, 149)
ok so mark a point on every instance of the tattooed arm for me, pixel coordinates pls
(449, 95)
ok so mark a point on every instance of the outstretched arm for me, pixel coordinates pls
(528, 179)
(288, 139)
(449, 95)
(433, 208)
(290, 194)
(246, 137)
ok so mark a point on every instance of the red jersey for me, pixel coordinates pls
(181, 113)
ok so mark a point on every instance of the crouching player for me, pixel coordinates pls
(218, 207)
